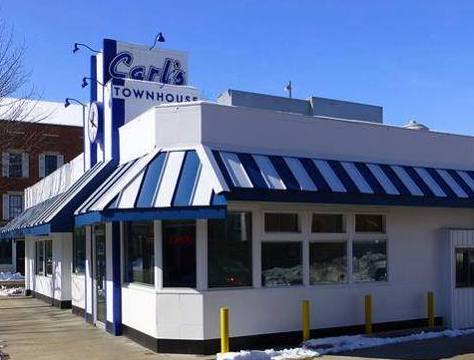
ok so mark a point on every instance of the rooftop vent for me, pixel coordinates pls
(413, 125)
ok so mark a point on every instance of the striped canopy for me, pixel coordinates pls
(287, 178)
(162, 184)
(56, 213)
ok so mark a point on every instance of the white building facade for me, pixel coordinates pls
(185, 207)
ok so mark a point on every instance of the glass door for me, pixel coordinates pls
(100, 273)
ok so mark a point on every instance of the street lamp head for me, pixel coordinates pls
(76, 48)
(84, 82)
(158, 38)
(67, 103)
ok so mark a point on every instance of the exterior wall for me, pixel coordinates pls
(58, 285)
(78, 291)
(227, 128)
(415, 247)
(459, 300)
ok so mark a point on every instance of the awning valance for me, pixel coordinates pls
(56, 214)
(256, 177)
(162, 184)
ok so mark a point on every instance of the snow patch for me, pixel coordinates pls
(10, 276)
(11, 291)
(293, 354)
(316, 347)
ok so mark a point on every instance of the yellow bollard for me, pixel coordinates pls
(224, 318)
(368, 314)
(306, 323)
(430, 308)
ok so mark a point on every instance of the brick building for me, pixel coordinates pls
(30, 151)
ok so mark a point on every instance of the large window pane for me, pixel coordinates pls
(139, 252)
(281, 222)
(327, 223)
(370, 223)
(48, 248)
(282, 264)
(230, 251)
(15, 205)
(369, 260)
(462, 276)
(40, 257)
(5, 251)
(328, 262)
(50, 164)
(79, 250)
(15, 165)
(179, 253)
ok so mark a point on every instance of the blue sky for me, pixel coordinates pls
(415, 58)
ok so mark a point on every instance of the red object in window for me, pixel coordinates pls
(180, 240)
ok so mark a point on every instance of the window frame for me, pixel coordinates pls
(74, 246)
(21, 154)
(302, 245)
(469, 281)
(274, 235)
(19, 195)
(44, 271)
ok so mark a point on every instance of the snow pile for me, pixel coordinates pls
(11, 291)
(316, 347)
(9, 276)
(293, 354)
(349, 343)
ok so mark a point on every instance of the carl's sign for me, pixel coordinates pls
(138, 62)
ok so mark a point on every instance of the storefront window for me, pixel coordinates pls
(327, 223)
(179, 253)
(282, 222)
(464, 267)
(79, 250)
(369, 260)
(328, 262)
(5, 251)
(48, 246)
(230, 250)
(368, 223)
(282, 263)
(139, 252)
(40, 257)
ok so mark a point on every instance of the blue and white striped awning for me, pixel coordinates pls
(297, 179)
(56, 214)
(162, 184)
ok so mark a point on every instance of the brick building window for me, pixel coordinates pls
(12, 205)
(15, 164)
(49, 162)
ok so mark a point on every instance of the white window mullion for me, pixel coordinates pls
(25, 165)
(41, 165)
(158, 255)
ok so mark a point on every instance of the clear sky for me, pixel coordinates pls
(415, 58)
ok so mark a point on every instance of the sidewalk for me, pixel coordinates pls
(32, 329)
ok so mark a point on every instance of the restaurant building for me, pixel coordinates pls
(254, 202)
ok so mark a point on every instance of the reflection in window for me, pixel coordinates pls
(230, 250)
(328, 262)
(370, 223)
(5, 251)
(48, 246)
(179, 253)
(281, 222)
(282, 263)
(79, 250)
(327, 223)
(40, 257)
(464, 267)
(139, 252)
(369, 260)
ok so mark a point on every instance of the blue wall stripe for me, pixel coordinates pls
(253, 171)
(285, 173)
(343, 176)
(315, 175)
(150, 181)
(393, 177)
(186, 180)
(459, 180)
(218, 199)
(418, 181)
(116, 281)
(225, 173)
(370, 178)
(442, 184)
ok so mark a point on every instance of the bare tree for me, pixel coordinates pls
(19, 110)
